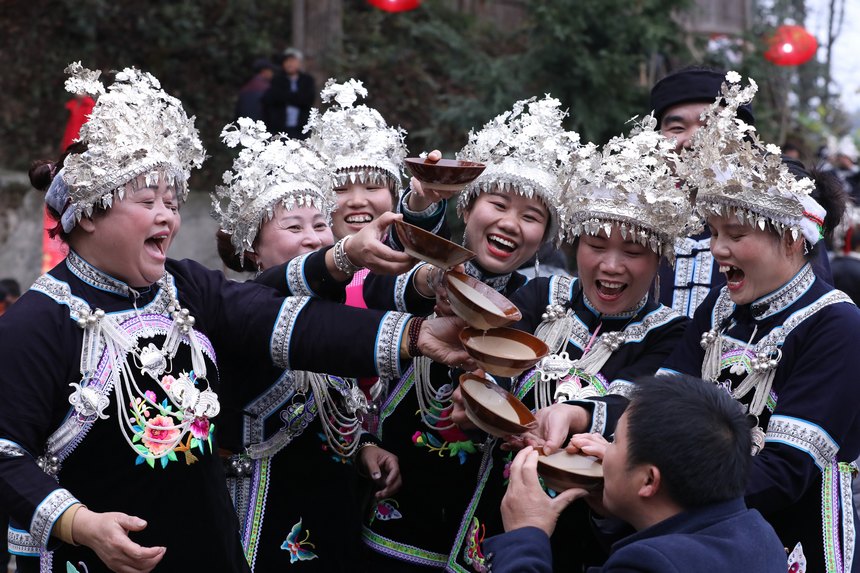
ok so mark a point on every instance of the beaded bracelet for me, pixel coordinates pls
(414, 331)
(341, 261)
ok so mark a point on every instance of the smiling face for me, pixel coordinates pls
(504, 230)
(288, 234)
(681, 122)
(130, 240)
(357, 205)
(756, 262)
(615, 273)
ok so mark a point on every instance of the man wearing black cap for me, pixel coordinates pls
(678, 101)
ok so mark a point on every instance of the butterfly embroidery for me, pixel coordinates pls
(297, 548)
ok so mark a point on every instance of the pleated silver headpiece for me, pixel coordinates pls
(269, 171)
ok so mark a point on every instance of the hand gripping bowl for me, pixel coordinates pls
(445, 174)
(426, 246)
(494, 409)
(480, 305)
(561, 471)
(503, 351)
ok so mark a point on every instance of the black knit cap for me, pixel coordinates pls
(691, 85)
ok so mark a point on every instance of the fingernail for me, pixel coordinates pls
(376, 475)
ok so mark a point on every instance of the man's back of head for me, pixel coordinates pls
(695, 433)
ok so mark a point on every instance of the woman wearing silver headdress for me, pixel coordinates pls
(777, 337)
(510, 210)
(275, 209)
(110, 381)
(623, 211)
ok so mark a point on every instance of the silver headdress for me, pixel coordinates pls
(526, 152)
(734, 173)
(135, 129)
(630, 183)
(269, 171)
(359, 146)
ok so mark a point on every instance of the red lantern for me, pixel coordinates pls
(395, 5)
(791, 46)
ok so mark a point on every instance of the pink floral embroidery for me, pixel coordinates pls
(200, 428)
(150, 395)
(160, 433)
(167, 382)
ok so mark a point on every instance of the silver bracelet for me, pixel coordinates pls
(341, 261)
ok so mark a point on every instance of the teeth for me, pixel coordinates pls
(358, 219)
(727, 268)
(610, 284)
(501, 241)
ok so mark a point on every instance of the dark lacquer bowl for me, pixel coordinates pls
(480, 305)
(561, 471)
(445, 174)
(494, 409)
(426, 246)
(503, 351)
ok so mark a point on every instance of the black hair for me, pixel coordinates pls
(11, 287)
(42, 173)
(695, 433)
(230, 257)
(828, 192)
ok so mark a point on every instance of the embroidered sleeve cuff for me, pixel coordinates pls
(9, 449)
(427, 213)
(47, 513)
(282, 332)
(401, 284)
(296, 278)
(803, 435)
(621, 387)
(389, 337)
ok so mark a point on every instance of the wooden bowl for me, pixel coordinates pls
(503, 351)
(445, 174)
(479, 304)
(561, 471)
(494, 409)
(430, 248)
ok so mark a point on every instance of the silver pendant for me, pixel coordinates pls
(87, 402)
(758, 436)
(555, 366)
(152, 362)
(203, 404)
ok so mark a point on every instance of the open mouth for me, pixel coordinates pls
(501, 244)
(609, 289)
(157, 245)
(358, 219)
(734, 276)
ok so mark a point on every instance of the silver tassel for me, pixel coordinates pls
(712, 343)
(594, 359)
(556, 328)
(198, 362)
(543, 393)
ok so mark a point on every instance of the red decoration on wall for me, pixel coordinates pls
(791, 45)
(395, 5)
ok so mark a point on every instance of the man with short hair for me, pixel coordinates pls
(676, 472)
(287, 103)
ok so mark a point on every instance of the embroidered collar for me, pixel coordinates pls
(496, 282)
(624, 314)
(784, 296)
(94, 277)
